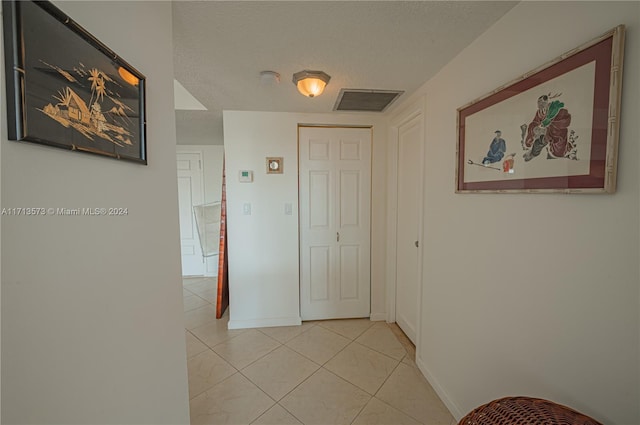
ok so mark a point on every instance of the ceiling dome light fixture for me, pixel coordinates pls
(269, 78)
(310, 83)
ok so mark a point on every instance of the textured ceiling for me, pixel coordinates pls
(220, 47)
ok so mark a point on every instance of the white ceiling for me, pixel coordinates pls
(220, 47)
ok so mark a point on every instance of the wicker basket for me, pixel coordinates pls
(525, 411)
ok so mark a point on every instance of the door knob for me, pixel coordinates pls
(417, 244)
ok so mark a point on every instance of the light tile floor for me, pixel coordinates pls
(325, 372)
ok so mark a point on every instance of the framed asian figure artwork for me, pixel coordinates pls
(67, 89)
(555, 129)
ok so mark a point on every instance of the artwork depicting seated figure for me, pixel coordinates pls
(497, 149)
(548, 128)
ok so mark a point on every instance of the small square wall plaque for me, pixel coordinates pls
(275, 165)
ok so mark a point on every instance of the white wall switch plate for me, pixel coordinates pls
(246, 209)
(288, 208)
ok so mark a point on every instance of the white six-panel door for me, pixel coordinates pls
(190, 193)
(335, 210)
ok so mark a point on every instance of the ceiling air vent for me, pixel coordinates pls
(365, 100)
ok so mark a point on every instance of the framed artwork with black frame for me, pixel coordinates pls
(67, 89)
(555, 129)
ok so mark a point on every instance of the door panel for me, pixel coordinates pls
(349, 198)
(335, 203)
(410, 139)
(349, 269)
(350, 150)
(319, 205)
(320, 272)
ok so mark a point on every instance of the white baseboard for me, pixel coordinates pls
(264, 323)
(378, 317)
(453, 408)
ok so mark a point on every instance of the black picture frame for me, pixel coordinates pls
(67, 89)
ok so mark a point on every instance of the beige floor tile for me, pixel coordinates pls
(209, 294)
(286, 333)
(350, 328)
(233, 401)
(377, 412)
(325, 399)
(280, 371)
(408, 391)
(246, 348)
(193, 279)
(206, 370)
(216, 332)
(200, 316)
(199, 283)
(362, 366)
(409, 361)
(194, 345)
(380, 338)
(191, 302)
(318, 344)
(276, 416)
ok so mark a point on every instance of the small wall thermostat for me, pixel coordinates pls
(245, 176)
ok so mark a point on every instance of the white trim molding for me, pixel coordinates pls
(448, 401)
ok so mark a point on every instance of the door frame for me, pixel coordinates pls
(408, 114)
(364, 126)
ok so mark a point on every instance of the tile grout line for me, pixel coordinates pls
(214, 385)
(260, 329)
(400, 410)
(287, 410)
(264, 355)
(348, 337)
(203, 299)
(384, 354)
(320, 366)
(277, 402)
(360, 411)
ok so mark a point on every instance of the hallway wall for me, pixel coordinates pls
(92, 322)
(528, 294)
(265, 290)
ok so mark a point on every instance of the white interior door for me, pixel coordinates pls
(335, 233)
(410, 140)
(190, 193)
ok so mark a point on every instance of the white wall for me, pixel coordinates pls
(212, 161)
(92, 322)
(545, 305)
(263, 246)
